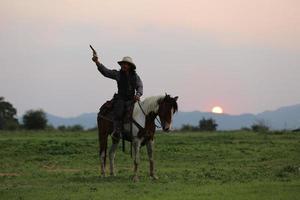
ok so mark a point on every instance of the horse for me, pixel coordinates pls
(141, 130)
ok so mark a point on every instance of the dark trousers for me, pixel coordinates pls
(119, 107)
(118, 110)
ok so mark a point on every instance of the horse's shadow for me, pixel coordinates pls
(121, 178)
(100, 179)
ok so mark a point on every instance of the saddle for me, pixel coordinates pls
(106, 110)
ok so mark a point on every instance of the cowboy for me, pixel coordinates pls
(130, 88)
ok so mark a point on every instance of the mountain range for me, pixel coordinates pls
(283, 118)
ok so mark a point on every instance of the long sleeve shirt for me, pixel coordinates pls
(115, 75)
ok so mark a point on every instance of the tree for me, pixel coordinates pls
(62, 128)
(8, 114)
(207, 124)
(35, 119)
(188, 127)
(260, 126)
(76, 127)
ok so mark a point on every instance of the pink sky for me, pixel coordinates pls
(239, 54)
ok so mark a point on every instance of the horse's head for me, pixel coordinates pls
(167, 107)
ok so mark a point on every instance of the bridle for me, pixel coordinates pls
(157, 119)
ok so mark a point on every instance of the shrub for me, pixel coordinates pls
(76, 127)
(207, 124)
(245, 129)
(260, 126)
(188, 127)
(35, 120)
(62, 128)
(8, 114)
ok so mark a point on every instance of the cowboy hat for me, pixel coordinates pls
(128, 60)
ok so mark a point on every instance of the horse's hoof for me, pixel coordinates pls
(154, 177)
(135, 179)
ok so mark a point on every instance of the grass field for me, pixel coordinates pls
(237, 165)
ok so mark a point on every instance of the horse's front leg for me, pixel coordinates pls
(112, 154)
(136, 154)
(150, 147)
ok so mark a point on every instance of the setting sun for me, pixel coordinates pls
(217, 109)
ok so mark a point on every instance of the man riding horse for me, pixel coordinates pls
(141, 127)
(130, 88)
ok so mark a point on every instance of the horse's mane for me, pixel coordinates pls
(150, 104)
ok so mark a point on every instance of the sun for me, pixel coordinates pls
(217, 109)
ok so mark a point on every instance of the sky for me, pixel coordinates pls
(238, 54)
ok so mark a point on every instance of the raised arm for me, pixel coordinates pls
(109, 73)
(113, 74)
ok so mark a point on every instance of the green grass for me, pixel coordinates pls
(231, 165)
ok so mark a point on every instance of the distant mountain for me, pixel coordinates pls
(224, 121)
(283, 118)
(287, 117)
(87, 120)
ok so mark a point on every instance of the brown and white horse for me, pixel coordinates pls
(143, 130)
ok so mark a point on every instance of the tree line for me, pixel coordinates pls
(37, 120)
(211, 125)
(31, 120)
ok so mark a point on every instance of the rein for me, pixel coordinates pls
(146, 115)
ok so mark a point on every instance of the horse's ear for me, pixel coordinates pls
(167, 96)
(176, 98)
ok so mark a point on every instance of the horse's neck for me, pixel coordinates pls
(150, 104)
(144, 108)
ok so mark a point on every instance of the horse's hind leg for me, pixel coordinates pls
(136, 154)
(103, 161)
(112, 154)
(150, 146)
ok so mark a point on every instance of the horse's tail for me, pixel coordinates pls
(102, 137)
